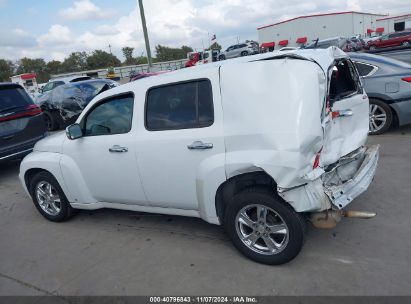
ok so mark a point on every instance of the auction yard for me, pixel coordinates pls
(110, 252)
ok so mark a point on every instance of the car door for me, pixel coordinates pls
(106, 154)
(348, 124)
(181, 137)
(229, 52)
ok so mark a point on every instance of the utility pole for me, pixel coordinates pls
(109, 46)
(143, 22)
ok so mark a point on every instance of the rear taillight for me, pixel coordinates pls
(31, 110)
(407, 79)
(317, 159)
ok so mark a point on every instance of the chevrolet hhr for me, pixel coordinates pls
(262, 155)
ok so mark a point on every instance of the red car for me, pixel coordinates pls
(390, 40)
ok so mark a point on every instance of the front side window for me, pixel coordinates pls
(48, 87)
(113, 116)
(180, 106)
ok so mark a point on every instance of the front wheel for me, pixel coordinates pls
(263, 228)
(221, 57)
(49, 198)
(380, 117)
(373, 48)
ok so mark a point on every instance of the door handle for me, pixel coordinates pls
(342, 113)
(199, 145)
(118, 149)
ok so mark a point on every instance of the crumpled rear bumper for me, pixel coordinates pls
(365, 163)
(338, 186)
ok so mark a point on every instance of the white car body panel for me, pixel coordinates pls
(159, 174)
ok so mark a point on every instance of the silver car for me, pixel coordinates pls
(388, 85)
(237, 50)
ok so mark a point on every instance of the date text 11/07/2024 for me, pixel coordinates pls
(205, 299)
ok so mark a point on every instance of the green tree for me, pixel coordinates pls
(6, 70)
(214, 46)
(54, 67)
(165, 53)
(128, 54)
(101, 59)
(38, 66)
(75, 62)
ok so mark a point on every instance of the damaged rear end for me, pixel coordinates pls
(344, 167)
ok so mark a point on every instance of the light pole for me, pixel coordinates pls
(143, 22)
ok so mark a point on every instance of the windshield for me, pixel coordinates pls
(12, 98)
(91, 89)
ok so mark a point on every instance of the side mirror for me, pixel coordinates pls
(74, 131)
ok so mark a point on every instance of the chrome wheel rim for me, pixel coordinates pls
(48, 198)
(378, 118)
(262, 229)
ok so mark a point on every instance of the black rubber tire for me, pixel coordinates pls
(244, 53)
(50, 120)
(66, 210)
(388, 110)
(405, 43)
(295, 222)
(221, 57)
(373, 47)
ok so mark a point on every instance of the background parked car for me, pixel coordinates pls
(388, 84)
(391, 40)
(52, 84)
(64, 104)
(237, 50)
(21, 122)
(343, 43)
(357, 43)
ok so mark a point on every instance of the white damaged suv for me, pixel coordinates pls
(259, 155)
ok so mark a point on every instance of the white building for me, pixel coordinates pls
(304, 29)
(394, 24)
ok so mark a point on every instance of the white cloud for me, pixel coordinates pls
(173, 23)
(16, 38)
(84, 10)
(57, 35)
(105, 30)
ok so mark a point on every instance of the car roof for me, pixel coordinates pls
(323, 57)
(68, 78)
(10, 84)
(379, 60)
(71, 84)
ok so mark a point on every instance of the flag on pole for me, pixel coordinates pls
(213, 37)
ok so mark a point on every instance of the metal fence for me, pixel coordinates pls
(125, 71)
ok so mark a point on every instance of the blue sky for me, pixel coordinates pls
(51, 29)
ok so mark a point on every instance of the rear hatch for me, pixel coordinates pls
(21, 121)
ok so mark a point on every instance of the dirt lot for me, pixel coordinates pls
(109, 252)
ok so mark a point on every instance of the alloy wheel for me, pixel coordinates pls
(262, 229)
(378, 118)
(48, 198)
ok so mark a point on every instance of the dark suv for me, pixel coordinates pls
(21, 122)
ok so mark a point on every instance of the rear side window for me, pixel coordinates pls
(344, 81)
(12, 98)
(364, 69)
(180, 106)
(113, 116)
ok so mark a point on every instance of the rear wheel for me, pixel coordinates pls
(264, 228)
(244, 53)
(51, 122)
(380, 117)
(405, 43)
(49, 198)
